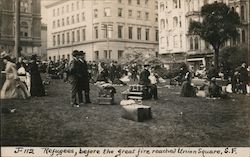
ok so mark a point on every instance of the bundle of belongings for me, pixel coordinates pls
(106, 94)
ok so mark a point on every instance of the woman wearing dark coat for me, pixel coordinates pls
(37, 88)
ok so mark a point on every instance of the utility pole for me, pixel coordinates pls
(17, 29)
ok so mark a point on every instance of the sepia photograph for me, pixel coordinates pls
(125, 73)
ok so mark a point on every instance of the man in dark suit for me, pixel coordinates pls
(84, 79)
(75, 75)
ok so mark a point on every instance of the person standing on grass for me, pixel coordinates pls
(75, 75)
(84, 79)
(36, 87)
(243, 78)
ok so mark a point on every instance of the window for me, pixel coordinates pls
(67, 8)
(120, 12)
(68, 57)
(58, 39)
(73, 36)
(180, 3)
(54, 58)
(162, 7)
(146, 15)
(180, 41)
(157, 35)
(96, 55)
(83, 34)
(129, 2)
(138, 14)
(96, 32)
(139, 33)
(138, 2)
(67, 20)
(180, 21)
(156, 17)
(63, 40)
(58, 23)
(54, 24)
(167, 41)
(77, 5)
(175, 3)
(175, 41)
(24, 6)
(120, 54)
(243, 36)
(147, 34)
(162, 24)
(130, 32)
(106, 11)
(58, 12)
(191, 44)
(242, 12)
(95, 13)
(146, 2)
(24, 29)
(120, 28)
(62, 10)
(72, 7)
(105, 54)
(68, 40)
(54, 40)
(63, 22)
(175, 22)
(72, 19)
(54, 12)
(77, 18)
(119, 1)
(196, 43)
(83, 16)
(78, 35)
(130, 13)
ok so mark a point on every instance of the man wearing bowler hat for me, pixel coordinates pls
(75, 75)
(84, 80)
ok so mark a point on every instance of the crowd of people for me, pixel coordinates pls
(22, 80)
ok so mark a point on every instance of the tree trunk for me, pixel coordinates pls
(216, 58)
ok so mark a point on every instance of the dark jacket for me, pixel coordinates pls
(144, 80)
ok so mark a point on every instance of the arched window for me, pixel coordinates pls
(191, 44)
(242, 12)
(24, 29)
(243, 36)
(175, 22)
(196, 43)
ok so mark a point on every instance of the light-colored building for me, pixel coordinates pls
(43, 48)
(176, 45)
(104, 29)
(30, 24)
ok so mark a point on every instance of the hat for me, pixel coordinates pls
(4, 55)
(81, 53)
(75, 53)
(146, 65)
(213, 79)
(33, 57)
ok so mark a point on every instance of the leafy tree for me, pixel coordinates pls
(219, 24)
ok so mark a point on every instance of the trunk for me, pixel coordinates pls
(137, 113)
(216, 58)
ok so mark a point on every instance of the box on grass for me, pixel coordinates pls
(137, 113)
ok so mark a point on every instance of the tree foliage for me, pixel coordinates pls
(219, 24)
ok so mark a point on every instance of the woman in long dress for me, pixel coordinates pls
(12, 87)
(36, 88)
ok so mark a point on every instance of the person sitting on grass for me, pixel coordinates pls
(187, 90)
(215, 91)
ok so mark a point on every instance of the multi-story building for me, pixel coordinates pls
(176, 45)
(30, 24)
(104, 29)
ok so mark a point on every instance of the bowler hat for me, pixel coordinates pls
(75, 53)
(4, 55)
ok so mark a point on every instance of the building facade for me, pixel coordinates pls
(176, 45)
(30, 24)
(105, 30)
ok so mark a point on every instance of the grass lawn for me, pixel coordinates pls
(51, 121)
